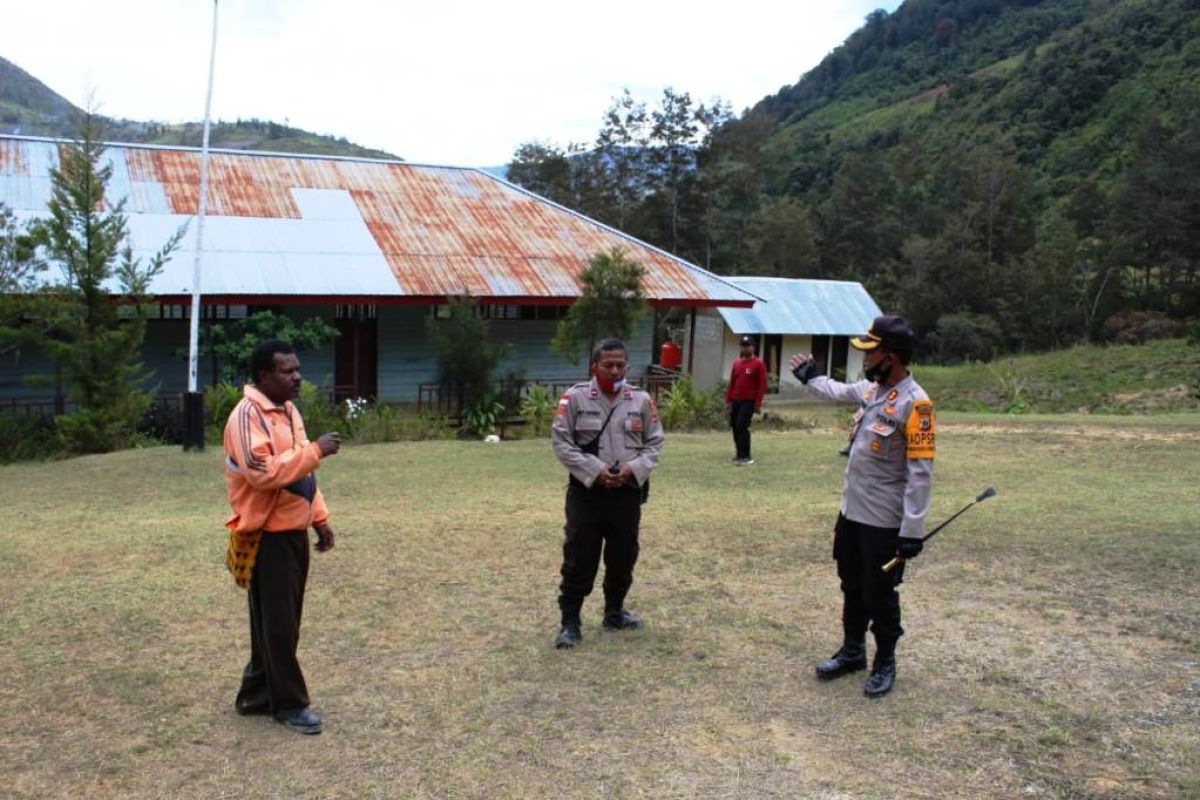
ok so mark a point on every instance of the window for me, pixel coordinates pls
(184, 311)
(506, 312)
(358, 311)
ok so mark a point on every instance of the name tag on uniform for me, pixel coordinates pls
(883, 426)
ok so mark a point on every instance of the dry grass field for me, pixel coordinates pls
(1053, 647)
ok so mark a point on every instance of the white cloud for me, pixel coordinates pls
(449, 82)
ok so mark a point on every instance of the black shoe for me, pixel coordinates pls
(881, 680)
(569, 636)
(246, 709)
(850, 658)
(621, 621)
(301, 720)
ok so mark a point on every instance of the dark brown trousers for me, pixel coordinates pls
(272, 680)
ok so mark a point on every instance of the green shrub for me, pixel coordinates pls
(684, 408)
(677, 404)
(383, 423)
(964, 337)
(1012, 389)
(219, 401)
(102, 429)
(321, 414)
(27, 438)
(480, 418)
(1136, 327)
(538, 407)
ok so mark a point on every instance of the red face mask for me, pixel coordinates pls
(606, 386)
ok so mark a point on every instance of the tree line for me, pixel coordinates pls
(1051, 199)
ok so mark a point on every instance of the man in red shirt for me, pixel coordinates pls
(747, 385)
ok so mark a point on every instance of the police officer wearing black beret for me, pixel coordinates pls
(885, 495)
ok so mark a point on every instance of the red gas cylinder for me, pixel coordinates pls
(672, 355)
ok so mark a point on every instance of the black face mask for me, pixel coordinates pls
(879, 372)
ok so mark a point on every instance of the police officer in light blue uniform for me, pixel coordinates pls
(885, 495)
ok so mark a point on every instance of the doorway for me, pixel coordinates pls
(356, 353)
(772, 354)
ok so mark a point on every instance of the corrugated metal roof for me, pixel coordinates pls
(796, 306)
(303, 225)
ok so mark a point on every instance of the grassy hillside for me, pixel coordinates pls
(1156, 377)
(1067, 79)
(29, 107)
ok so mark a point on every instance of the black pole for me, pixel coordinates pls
(193, 421)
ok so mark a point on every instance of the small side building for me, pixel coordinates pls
(791, 316)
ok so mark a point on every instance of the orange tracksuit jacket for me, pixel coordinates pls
(269, 466)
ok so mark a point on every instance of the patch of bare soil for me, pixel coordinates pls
(1081, 431)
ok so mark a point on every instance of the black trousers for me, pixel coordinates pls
(272, 679)
(598, 520)
(869, 594)
(740, 414)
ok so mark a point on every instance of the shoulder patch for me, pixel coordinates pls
(921, 430)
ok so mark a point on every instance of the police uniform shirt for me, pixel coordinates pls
(634, 434)
(890, 471)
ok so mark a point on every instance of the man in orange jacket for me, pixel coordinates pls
(269, 466)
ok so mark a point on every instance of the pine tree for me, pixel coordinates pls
(673, 136)
(92, 333)
(467, 357)
(611, 302)
(621, 151)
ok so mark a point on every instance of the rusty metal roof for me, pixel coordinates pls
(308, 226)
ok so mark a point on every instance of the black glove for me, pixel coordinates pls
(909, 548)
(806, 371)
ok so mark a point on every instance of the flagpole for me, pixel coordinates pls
(193, 437)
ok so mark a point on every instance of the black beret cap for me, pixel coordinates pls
(891, 331)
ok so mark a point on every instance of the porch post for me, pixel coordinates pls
(691, 339)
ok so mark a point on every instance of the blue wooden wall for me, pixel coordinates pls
(164, 357)
(405, 357)
(406, 361)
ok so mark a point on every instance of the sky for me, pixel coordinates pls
(451, 82)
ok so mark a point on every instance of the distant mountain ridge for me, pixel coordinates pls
(29, 107)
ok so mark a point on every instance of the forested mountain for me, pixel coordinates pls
(29, 107)
(1011, 175)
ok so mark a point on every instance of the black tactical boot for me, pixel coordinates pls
(850, 658)
(883, 670)
(569, 636)
(620, 620)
